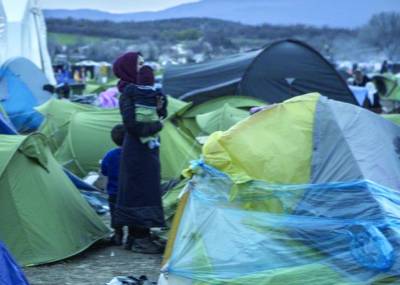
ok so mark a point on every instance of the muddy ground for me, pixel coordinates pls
(95, 266)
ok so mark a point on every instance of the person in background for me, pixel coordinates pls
(354, 67)
(385, 67)
(360, 79)
(110, 169)
(77, 76)
(139, 203)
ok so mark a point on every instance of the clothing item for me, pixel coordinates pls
(146, 245)
(134, 233)
(112, 201)
(110, 169)
(139, 195)
(125, 68)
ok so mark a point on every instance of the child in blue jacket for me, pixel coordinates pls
(110, 169)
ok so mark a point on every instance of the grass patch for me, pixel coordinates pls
(71, 39)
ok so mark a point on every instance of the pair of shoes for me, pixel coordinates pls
(146, 246)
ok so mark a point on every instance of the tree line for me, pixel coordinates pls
(381, 34)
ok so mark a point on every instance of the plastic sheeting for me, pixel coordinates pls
(6, 127)
(10, 273)
(258, 233)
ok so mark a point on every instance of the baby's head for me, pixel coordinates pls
(146, 76)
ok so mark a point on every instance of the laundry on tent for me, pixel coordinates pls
(388, 86)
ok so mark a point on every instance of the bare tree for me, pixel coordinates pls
(383, 32)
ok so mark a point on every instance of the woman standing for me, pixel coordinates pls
(139, 203)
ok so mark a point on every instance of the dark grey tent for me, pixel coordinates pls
(281, 70)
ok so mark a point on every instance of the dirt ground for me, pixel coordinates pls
(95, 266)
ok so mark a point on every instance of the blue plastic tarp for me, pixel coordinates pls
(10, 272)
(5, 127)
(332, 233)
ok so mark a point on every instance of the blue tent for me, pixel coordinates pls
(6, 127)
(21, 89)
(10, 273)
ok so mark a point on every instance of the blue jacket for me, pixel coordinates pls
(110, 169)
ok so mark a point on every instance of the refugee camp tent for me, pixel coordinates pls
(280, 71)
(218, 114)
(21, 89)
(57, 114)
(296, 194)
(43, 217)
(6, 127)
(88, 139)
(10, 273)
(388, 86)
(23, 34)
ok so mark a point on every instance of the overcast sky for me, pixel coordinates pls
(116, 6)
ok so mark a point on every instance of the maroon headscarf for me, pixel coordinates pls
(125, 68)
(146, 76)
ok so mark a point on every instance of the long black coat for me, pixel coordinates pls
(139, 195)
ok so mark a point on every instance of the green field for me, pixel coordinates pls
(71, 39)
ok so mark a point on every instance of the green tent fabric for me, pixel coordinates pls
(220, 119)
(43, 217)
(395, 118)
(388, 86)
(88, 140)
(57, 115)
(241, 102)
(219, 114)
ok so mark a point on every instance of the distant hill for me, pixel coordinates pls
(333, 13)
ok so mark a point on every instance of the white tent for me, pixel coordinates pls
(23, 34)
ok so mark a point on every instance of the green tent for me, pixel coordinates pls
(241, 102)
(395, 118)
(88, 138)
(388, 86)
(218, 114)
(43, 217)
(57, 115)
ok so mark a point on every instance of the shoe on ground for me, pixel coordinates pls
(146, 246)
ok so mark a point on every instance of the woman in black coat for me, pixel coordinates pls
(139, 204)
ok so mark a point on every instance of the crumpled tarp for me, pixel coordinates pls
(10, 272)
(263, 234)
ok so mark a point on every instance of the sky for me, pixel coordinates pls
(114, 6)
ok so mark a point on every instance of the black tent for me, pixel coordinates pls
(281, 70)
